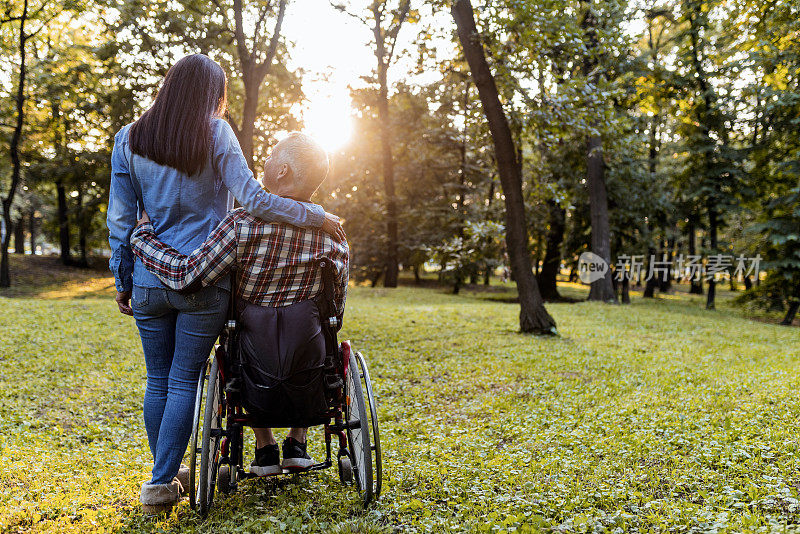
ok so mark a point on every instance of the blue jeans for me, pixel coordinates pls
(178, 333)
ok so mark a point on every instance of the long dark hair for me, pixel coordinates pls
(176, 130)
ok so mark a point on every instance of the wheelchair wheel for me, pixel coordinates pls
(359, 427)
(194, 442)
(225, 479)
(345, 470)
(209, 451)
(372, 404)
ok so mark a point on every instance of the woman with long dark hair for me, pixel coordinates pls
(178, 161)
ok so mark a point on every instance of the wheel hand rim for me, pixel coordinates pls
(377, 461)
(210, 450)
(358, 437)
(195, 452)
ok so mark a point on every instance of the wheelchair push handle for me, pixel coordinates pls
(328, 296)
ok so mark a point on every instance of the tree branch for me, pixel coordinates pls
(241, 43)
(274, 40)
(223, 10)
(343, 9)
(402, 13)
(256, 39)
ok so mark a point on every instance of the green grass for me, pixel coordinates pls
(652, 417)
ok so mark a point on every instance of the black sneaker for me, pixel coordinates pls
(267, 461)
(295, 457)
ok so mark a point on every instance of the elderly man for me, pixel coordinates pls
(275, 268)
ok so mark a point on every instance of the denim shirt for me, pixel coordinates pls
(185, 209)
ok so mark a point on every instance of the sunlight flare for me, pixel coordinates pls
(327, 119)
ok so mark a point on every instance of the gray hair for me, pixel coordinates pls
(307, 159)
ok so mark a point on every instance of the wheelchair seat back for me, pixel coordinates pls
(282, 352)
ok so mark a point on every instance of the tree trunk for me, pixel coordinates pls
(790, 314)
(603, 289)
(748, 284)
(793, 307)
(32, 230)
(246, 131)
(653, 150)
(19, 236)
(16, 167)
(652, 282)
(253, 74)
(650, 289)
(462, 185)
(552, 256)
(709, 99)
(696, 286)
(82, 232)
(626, 294)
(5, 274)
(487, 273)
(534, 317)
(63, 224)
(387, 162)
(665, 284)
(712, 233)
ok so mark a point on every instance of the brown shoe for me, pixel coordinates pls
(183, 478)
(159, 498)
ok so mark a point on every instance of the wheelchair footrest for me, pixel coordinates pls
(316, 467)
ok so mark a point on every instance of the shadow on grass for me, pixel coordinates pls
(574, 293)
(569, 293)
(45, 277)
(268, 505)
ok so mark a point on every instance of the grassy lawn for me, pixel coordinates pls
(652, 417)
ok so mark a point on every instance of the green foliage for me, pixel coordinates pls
(440, 193)
(482, 429)
(774, 203)
(481, 244)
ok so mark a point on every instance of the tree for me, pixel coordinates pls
(534, 318)
(774, 206)
(14, 148)
(236, 35)
(385, 21)
(783, 253)
(255, 63)
(552, 257)
(72, 78)
(712, 159)
(601, 289)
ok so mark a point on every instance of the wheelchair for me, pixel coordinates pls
(216, 448)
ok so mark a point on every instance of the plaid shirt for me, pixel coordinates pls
(276, 263)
